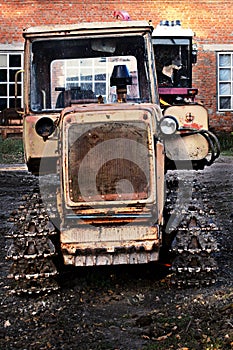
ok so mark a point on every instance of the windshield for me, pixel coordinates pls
(173, 64)
(67, 71)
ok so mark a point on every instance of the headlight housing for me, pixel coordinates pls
(45, 127)
(168, 125)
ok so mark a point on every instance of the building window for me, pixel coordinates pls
(10, 63)
(89, 78)
(225, 81)
(91, 75)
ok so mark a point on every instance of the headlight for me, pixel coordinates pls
(168, 125)
(45, 127)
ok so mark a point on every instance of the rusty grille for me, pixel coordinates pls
(109, 162)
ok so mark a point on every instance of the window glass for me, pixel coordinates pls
(225, 102)
(15, 61)
(3, 75)
(225, 88)
(86, 74)
(3, 103)
(173, 64)
(11, 103)
(100, 88)
(12, 89)
(3, 60)
(79, 71)
(72, 73)
(88, 78)
(224, 60)
(3, 90)
(224, 74)
(12, 75)
(86, 86)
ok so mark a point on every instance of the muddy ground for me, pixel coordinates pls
(130, 307)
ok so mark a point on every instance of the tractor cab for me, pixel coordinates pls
(175, 54)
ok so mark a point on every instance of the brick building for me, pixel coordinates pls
(211, 20)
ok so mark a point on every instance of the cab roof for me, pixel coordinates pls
(171, 31)
(94, 28)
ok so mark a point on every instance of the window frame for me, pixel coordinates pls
(226, 81)
(10, 85)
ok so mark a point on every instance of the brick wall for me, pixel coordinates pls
(211, 20)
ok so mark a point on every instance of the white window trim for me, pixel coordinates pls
(9, 97)
(230, 81)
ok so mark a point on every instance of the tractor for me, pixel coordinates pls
(97, 140)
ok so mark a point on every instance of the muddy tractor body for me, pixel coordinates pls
(92, 120)
(93, 108)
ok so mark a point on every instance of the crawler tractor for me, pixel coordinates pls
(176, 54)
(95, 135)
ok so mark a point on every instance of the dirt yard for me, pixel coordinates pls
(122, 308)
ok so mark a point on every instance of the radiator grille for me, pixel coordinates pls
(109, 161)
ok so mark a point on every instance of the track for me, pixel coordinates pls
(189, 241)
(190, 231)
